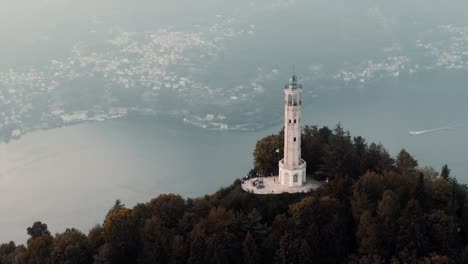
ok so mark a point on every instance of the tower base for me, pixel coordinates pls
(292, 176)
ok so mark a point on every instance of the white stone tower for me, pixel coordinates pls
(292, 168)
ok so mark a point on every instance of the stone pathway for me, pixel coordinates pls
(272, 186)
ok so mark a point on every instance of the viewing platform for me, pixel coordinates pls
(271, 185)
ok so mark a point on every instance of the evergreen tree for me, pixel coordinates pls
(360, 152)
(338, 157)
(252, 223)
(445, 172)
(406, 164)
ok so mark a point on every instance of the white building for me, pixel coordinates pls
(292, 168)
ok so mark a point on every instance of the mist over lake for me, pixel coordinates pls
(116, 100)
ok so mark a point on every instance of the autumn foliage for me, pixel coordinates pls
(373, 209)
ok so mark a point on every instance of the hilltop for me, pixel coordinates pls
(374, 209)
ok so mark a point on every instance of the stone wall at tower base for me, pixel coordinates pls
(292, 176)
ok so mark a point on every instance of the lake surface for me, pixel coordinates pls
(70, 177)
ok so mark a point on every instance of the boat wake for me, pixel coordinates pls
(415, 133)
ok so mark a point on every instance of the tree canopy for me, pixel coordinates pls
(374, 209)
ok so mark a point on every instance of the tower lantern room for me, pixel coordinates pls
(292, 168)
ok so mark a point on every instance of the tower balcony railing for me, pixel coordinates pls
(302, 164)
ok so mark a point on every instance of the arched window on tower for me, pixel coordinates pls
(295, 100)
(295, 178)
(290, 100)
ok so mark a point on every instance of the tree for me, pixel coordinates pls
(378, 159)
(441, 193)
(39, 249)
(420, 191)
(388, 208)
(71, 247)
(293, 249)
(197, 251)
(338, 157)
(412, 240)
(360, 152)
(321, 217)
(118, 205)
(168, 208)
(394, 213)
(406, 164)
(39, 243)
(313, 147)
(429, 173)
(120, 234)
(156, 238)
(178, 251)
(249, 250)
(367, 234)
(277, 229)
(21, 255)
(288, 248)
(95, 239)
(217, 229)
(388, 211)
(265, 156)
(38, 229)
(7, 253)
(445, 172)
(367, 191)
(442, 233)
(252, 223)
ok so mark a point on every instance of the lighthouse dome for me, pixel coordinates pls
(293, 83)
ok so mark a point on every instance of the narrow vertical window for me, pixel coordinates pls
(289, 121)
(294, 121)
(294, 139)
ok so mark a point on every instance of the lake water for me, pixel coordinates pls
(70, 177)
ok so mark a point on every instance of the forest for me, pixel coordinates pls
(373, 208)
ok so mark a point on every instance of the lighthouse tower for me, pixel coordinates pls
(292, 168)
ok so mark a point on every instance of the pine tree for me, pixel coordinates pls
(445, 172)
(406, 164)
